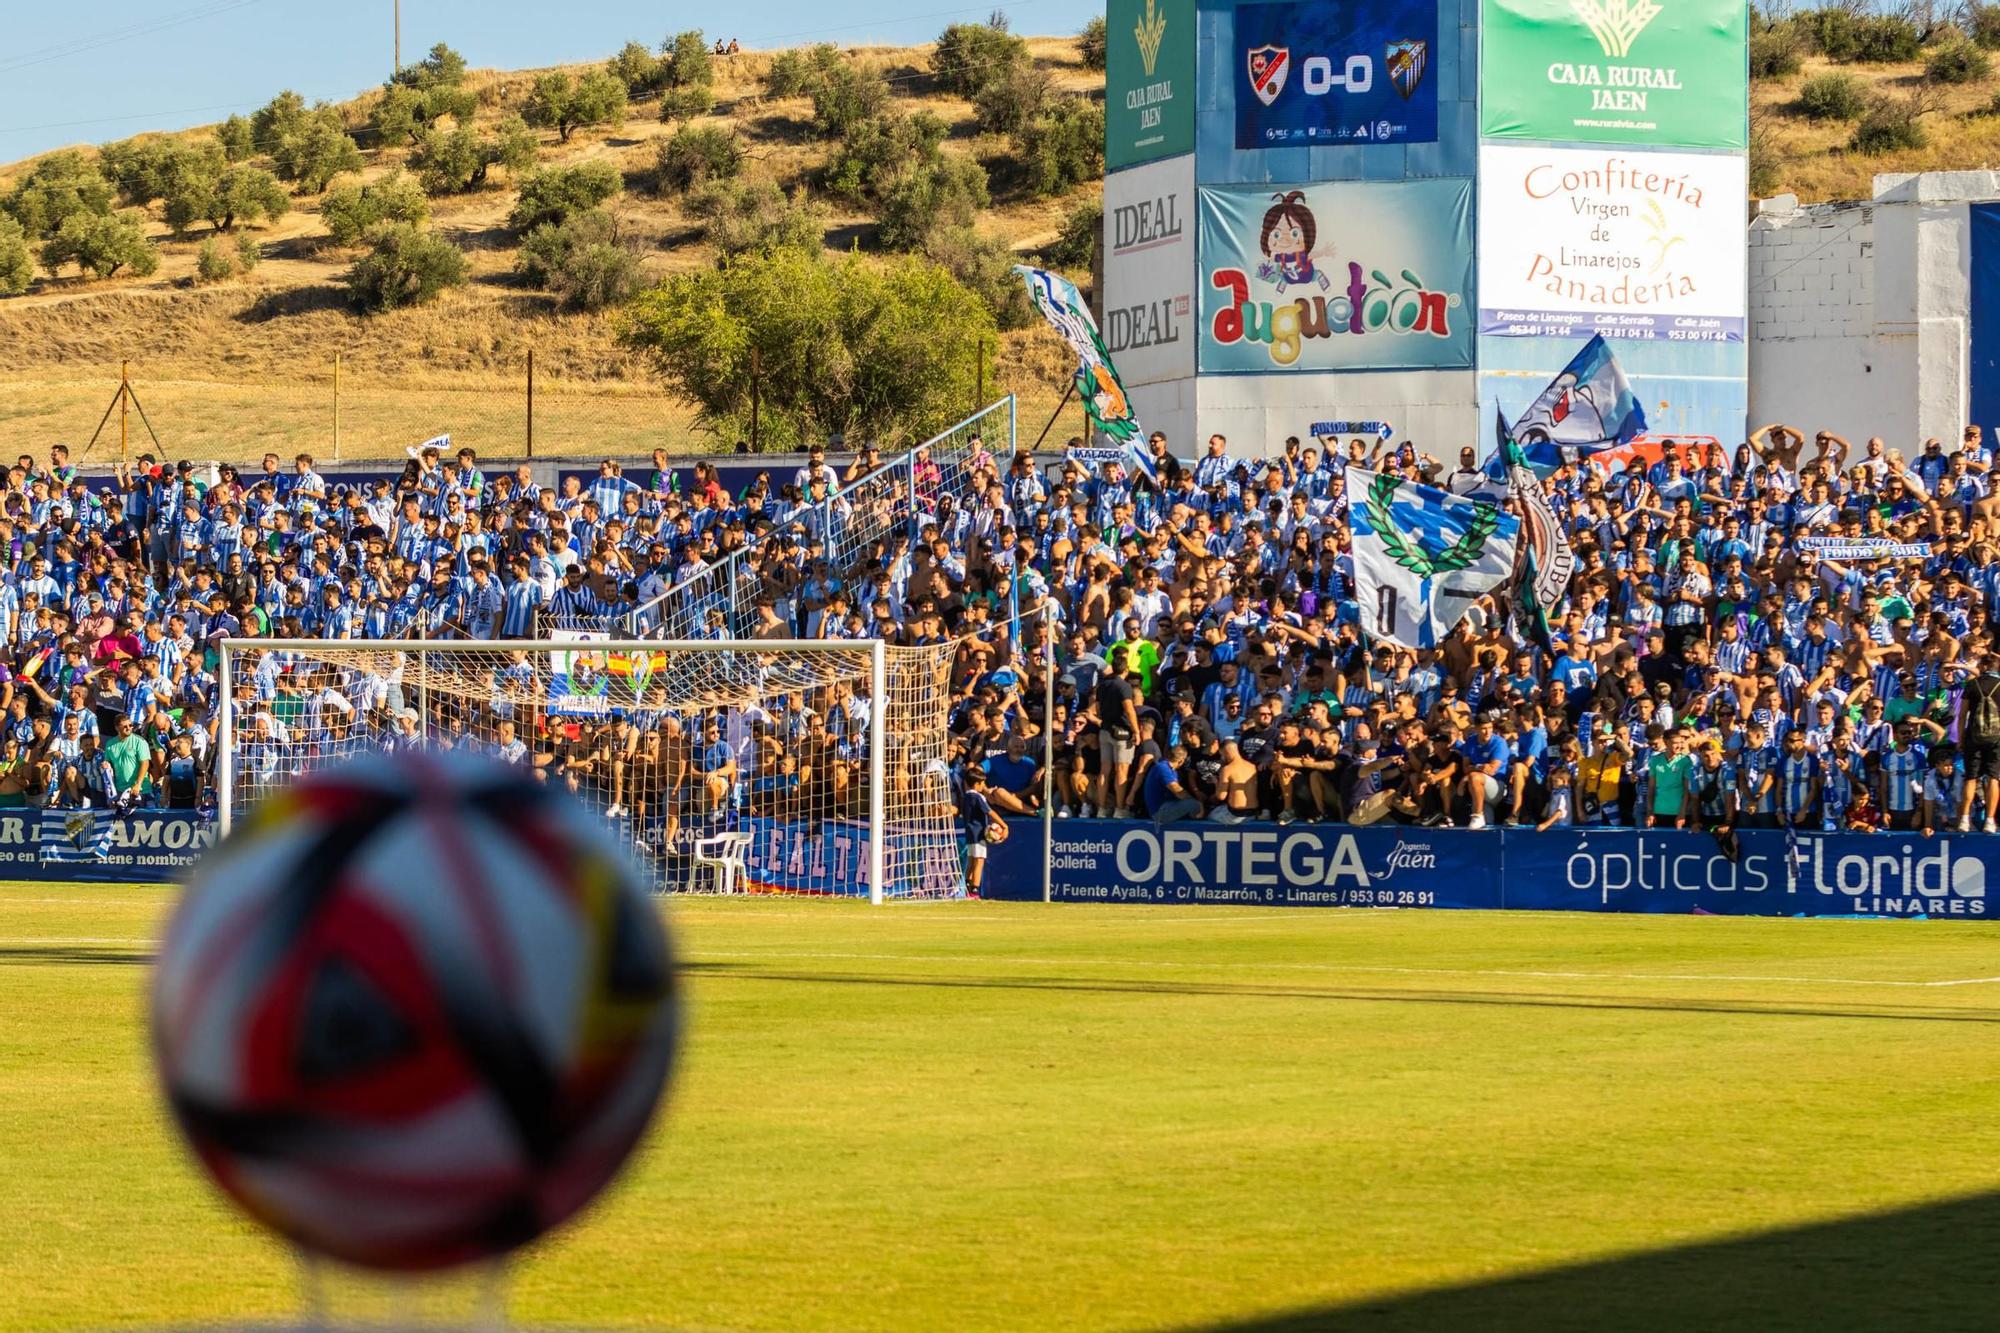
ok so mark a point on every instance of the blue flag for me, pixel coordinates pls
(1587, 407)
(74, 835)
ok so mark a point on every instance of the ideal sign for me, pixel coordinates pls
(1149, 261)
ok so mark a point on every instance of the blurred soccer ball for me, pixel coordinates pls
(414, 1012)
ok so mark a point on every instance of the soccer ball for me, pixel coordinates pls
(414, 1012)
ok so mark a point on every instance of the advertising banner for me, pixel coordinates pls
(1616, 71)
(1588, 870)
(1148, 81)
(1576, 241)
(147, 846)
(1323, 73)
(1149, 309)
(1262, 865)
(1349, 276)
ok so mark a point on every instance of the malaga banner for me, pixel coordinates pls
(1576, 241)
(1331, 73)
(1346, 276)
(1148, 81)
(1616, 71)
(1578, 870)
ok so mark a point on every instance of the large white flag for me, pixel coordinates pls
(1422, 556)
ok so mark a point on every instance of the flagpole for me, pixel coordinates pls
(1055, 416)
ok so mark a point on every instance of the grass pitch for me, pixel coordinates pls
(986, 1115)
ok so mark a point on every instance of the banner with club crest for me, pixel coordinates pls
(1423, 556)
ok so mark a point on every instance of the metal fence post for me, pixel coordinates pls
(531, 402)
(336, 407)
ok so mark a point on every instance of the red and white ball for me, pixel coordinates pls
(415, 1011)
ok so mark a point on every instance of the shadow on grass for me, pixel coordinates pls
(1366, 995)
(31, 955)
(1927, 1267)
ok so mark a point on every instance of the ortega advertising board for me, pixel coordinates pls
(1616, 71)
(1326, 73)
(1149, 309)
(1576, 241)
(1346, 276)
(1148, 80)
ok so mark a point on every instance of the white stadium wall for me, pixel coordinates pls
(1433, 409)
(1149, 267)
(1860, 313)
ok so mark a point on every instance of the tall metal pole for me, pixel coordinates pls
(399, 41)
(878, 794)
(531, 402)
(1048, 746)
(124, 408)
(336, 407)
(756, 446)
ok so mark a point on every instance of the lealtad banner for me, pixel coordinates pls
(1332, 73)
(1577, 241)
(1343, 276)
(1659, 72)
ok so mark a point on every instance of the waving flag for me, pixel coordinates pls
(1422, 556)
(1589, 406)
(1546, 558)
(74, 835)
(1097, 382)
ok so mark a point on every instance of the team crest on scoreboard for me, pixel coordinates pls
(1269, 66)
(1407, 60)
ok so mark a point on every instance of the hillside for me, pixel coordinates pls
(248, 363)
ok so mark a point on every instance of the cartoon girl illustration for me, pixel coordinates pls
(1287, 239)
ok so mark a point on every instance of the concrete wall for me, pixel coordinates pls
(1859, 311)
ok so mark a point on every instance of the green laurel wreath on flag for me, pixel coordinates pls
(1411, 555)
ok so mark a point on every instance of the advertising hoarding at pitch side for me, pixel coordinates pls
(1148, 81)
(1344, 276)
(1640, 245)
(1149, 305)
(1336, 72)
(1616, 71)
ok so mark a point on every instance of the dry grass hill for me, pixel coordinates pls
(227, 369)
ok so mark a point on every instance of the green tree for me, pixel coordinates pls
(695, 155)
(947, 191)
(845, 96)
(351, 210)
(245, 194)
(1957, 61)
(683, 104)
(404, 113)
(405, 265)
(685, 61)
(1092, 42)
(212, 263)
(745, 216)
(1063, 147)
(878, 148)
(566, 105)
(986, 267)
(1833, 96)
(442, 68)
(458, 160)
(17, 262)
(236, 138)
(1075, 246)
(308, 147)
(248, 253)
(554, 194)
(101, 245)
(839, 344)
(1010, 103)
(637, 68)
(58, 187)
(581, 261)
(796, 73)
(970, 55)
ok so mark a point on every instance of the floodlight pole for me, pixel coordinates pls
(1048, 746)
(399, 42)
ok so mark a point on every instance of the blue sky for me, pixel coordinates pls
(98, 71)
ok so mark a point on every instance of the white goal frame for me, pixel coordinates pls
(232, 649)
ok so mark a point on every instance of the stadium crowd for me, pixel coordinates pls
(1708, 667)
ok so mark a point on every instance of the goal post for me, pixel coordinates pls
(802, 766)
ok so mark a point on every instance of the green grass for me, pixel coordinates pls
(986, 1115)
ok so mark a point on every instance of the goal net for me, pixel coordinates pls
(801, 767)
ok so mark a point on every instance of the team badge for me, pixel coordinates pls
(1407, 60)
(1268, 67)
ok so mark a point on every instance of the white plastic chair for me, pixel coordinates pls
(723, 853)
